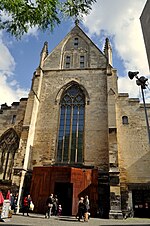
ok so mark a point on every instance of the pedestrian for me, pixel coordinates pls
(55, 205)
(59, 213)
(1, 198)
(15, 203)
(87, 208)
(10, 197)
(49, 204)
(11, 200)
(81, 209)
(26, 204)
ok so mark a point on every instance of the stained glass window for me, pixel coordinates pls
(71, 126)
(9, 143)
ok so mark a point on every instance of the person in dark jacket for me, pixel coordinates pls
(81, 209)
(55, 205)
(26, 204)
(49, 204)
(15, 201)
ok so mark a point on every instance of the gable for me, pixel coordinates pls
(75, 51)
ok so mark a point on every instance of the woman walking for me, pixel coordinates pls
(26, 204)
(87, 207)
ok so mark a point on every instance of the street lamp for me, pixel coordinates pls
(141, 81)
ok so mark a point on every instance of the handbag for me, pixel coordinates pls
(31, 206)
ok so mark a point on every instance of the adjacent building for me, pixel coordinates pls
(145, 23)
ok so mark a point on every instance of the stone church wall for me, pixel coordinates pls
(11, 123)
(10, 116)
(133, 145)
(133, 142)
(96, 123)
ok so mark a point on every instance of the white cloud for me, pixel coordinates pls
(7, 63)
(120, 19)
(9, 89)
(129, 86)
(33, 31)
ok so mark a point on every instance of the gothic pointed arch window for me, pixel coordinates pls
(9, 143)
(71, 126)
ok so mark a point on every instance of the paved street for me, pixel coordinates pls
(35, 219)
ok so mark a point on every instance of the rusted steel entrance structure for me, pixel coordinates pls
(68, 183)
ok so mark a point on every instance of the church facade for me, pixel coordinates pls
(75, 135)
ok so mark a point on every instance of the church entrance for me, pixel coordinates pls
(68, 183)
(141, 203)
(64, 191)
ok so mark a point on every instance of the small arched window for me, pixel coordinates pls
(67, 61)
(71, 126)
(125, 120)
(76, 42)
(82, 61)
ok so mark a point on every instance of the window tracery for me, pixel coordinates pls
(9, 143)
(71, 128)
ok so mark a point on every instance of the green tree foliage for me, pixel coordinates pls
(17, 16)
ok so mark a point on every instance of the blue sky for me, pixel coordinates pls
(118, 20)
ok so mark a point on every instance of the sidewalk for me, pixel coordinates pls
(37, 219)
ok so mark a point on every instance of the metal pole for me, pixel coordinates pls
(146, 117)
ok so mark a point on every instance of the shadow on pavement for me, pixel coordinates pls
(71, 219)
(14, 224)
(30, 216)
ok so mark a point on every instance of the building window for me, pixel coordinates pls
(13, 120)
(81, 61)
(71, 128)
(76, 42)
(9, 143)
(124, 120)
(67, 61)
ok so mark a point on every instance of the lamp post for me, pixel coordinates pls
(141, 81)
